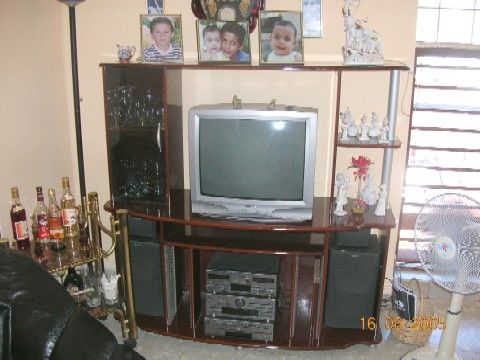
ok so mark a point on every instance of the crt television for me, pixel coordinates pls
(252, 163)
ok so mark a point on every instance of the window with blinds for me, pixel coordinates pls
(444, 140)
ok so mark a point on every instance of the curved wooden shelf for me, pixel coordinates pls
(323, 221)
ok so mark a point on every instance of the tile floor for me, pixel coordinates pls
(157, 347)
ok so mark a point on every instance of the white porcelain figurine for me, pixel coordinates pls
(382, 201)
(374, 131)
(352, 128)
(369, 192)
(362, 45)
(344, 136)
(364, 129)
(342, 183)
(384, 132)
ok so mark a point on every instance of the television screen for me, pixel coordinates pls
(252, 159)
(252, 162)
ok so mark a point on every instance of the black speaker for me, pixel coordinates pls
(352, 283)
(146, 267)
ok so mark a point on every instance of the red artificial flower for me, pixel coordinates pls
(362, 164)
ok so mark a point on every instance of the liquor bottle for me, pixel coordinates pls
(41, 217)
(83, 237)
(74, 284)
(18, 217)
(55, 222)
(69, 210)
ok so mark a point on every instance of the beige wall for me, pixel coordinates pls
(103, 24)
(36, 129)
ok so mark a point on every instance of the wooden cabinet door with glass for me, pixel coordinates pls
(136, 110)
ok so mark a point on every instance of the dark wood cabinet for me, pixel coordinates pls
(188, 241)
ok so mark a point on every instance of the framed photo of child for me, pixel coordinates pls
(223, 42)
(161, 38)
(281, 37)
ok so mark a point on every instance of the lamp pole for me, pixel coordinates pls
(76, 94)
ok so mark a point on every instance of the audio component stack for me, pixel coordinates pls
(241, 296)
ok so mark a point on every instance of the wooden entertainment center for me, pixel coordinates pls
(184, 242)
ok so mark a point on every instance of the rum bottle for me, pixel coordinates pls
(18, 217)
(41, 217)
(69, 210)
(55, 222)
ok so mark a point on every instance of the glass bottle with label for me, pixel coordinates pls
(18, 218)
(41, 217)
(55, 222)
(69, 210)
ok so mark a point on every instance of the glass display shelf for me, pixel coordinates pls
(58, 261)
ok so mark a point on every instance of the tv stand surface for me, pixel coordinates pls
(302, 248)
(177, 210)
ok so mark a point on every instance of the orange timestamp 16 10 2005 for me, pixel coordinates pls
(421, 323)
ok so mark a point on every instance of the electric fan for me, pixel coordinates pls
(447, 241)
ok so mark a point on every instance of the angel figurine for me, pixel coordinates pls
(342, 183)
(382, 201)
(364, 129)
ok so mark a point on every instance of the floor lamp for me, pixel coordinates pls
(76, 96)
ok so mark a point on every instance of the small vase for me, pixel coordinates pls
(358, 206)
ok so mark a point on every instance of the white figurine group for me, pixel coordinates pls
(365, 131)
(362, 44)
(368, 194)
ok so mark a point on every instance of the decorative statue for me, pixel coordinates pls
(344, 136)
(348, 117)
(382, 201)
(364, 129)
(342, 183)
(363, 46)
(384, 132)
(369, 192)
(374, 131)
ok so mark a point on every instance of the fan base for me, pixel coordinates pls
(426, 353)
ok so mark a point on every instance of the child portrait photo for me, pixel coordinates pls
(161, 38)
(281, 37)
(223, 41)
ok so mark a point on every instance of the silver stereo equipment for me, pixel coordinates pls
(243, 274)
(240, 307)
(241, 329)
(240, 300)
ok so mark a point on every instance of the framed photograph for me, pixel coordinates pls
(312, 18)
(154, 6)
(161, 38)
(223, 42)
(281, 37)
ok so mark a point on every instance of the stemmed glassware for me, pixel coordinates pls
(127, 108)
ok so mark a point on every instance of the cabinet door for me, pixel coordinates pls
(134, 108)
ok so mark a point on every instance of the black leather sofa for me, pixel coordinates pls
(39, 319)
